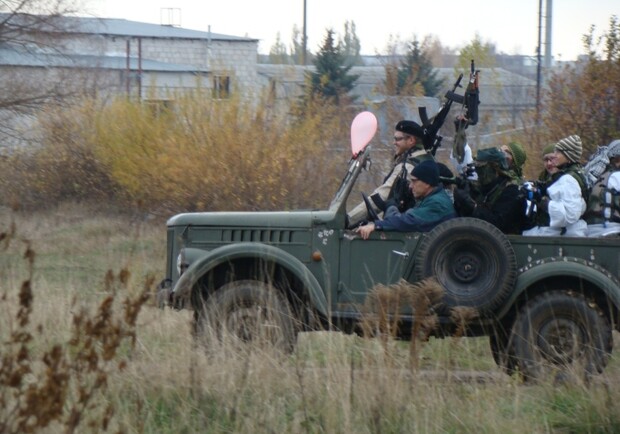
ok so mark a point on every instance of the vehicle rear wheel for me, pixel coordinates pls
(561, 333)
(247, 313)
(472, 260)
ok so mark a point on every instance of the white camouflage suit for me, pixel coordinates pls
(566, 206)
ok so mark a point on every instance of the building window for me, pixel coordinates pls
(221, 86)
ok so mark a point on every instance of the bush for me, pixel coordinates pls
(197, 154)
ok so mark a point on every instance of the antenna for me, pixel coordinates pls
(170, 17)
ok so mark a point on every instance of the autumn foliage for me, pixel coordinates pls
(585, 99)
(197, 154)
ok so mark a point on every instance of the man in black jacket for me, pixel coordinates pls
(497, 197)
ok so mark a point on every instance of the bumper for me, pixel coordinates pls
(165, 296)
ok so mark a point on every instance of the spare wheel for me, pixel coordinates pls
(473, 261)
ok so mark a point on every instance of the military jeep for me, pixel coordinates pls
(544, 302)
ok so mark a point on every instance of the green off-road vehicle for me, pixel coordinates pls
(545, 302)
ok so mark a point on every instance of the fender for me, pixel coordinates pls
(197, 269)
(565, 267)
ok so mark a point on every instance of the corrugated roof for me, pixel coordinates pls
(122, 27)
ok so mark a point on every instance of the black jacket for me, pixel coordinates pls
(500, 203)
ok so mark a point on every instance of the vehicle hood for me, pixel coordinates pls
(279, 219)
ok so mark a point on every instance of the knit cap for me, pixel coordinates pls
(548, 149)
(571, 147)
(427, 171)
(518, 154)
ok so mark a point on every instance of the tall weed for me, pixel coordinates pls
(58, 382)
(157, 380)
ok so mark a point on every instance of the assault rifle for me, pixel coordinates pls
(432, 140)
(471, 98)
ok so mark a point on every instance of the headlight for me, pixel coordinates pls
(181, 264)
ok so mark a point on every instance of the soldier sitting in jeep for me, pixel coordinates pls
(433, 205)
(409, 151)
(497, 199)
(603, 213)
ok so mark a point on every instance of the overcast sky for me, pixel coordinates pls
(511, 25)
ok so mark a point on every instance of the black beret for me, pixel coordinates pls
(410, 127)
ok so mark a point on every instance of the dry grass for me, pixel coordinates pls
(158, 381)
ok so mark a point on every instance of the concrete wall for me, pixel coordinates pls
(236, 59)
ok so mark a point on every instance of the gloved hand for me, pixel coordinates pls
(463, 202)
(531, 191)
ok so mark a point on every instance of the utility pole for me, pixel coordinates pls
(548, 24)
(539, 58)
(538, 63)
(304, 38)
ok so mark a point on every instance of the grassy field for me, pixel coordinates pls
(112, 361)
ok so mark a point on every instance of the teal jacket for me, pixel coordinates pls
(435, 208)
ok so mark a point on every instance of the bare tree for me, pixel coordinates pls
(32, 33)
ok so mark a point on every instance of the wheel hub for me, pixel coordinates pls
(466, 267)
(560, 340)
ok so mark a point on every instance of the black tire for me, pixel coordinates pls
(472, 260)
(247, 313)
(561, 333)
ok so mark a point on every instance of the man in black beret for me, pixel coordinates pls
(498, 198)
(409, 151)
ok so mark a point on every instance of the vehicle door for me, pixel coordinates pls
(383, 259)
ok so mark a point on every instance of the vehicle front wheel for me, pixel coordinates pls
(247, 313)
(561, 333)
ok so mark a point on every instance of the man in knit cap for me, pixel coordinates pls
(564, 198)
(433, 205)
(409, 151)
(603, 213)
(515, 157)
(548, 163)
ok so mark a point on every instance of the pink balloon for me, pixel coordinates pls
(363, 129)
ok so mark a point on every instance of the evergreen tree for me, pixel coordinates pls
(351, 44)
(331, 80)
(415, 75)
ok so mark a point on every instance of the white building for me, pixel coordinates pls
(142, 59)
(155, 62)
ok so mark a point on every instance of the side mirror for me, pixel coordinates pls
(367, 164)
